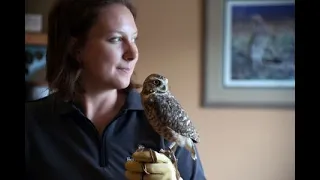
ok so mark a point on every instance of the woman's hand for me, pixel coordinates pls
(150, 165)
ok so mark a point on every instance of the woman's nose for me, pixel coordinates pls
(131, 52)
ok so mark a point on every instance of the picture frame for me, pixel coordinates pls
(249, 62)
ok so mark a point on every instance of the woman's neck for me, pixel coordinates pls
(102, 105)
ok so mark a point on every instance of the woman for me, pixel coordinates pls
(93, 121)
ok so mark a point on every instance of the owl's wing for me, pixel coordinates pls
(170, 113)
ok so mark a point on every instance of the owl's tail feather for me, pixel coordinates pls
(190, 146)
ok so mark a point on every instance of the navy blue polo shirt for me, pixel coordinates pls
(62, 144)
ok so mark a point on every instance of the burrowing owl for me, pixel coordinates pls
(166, 115)
(261, 43)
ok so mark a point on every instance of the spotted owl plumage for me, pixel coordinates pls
(166, 115)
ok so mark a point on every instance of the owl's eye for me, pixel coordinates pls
(156, 82)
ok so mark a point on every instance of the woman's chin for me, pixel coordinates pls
(122, 84)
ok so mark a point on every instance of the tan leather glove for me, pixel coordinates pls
(150, 165)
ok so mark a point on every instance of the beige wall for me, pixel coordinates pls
(236, 144)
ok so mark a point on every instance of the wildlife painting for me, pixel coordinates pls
(259, 44)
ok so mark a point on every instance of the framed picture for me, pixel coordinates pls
(256, 66)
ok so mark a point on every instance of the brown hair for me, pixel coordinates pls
(69, 19)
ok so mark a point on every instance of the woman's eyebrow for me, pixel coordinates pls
(121, 32)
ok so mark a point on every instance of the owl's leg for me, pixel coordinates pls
(172, 150)
(172, 146)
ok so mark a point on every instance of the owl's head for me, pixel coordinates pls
(155, 83)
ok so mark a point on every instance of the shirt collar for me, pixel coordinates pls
(133, 102)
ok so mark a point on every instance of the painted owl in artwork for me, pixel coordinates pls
(166, 115)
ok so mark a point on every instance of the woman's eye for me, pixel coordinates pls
(135, 39)
(115, 39)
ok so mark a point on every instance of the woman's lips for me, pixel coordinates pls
(124, 70)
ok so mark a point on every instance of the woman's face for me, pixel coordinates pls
(110, 53)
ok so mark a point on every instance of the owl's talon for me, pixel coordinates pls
(140, 147)
(144, 168)
(129, 158)
(170, 154)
